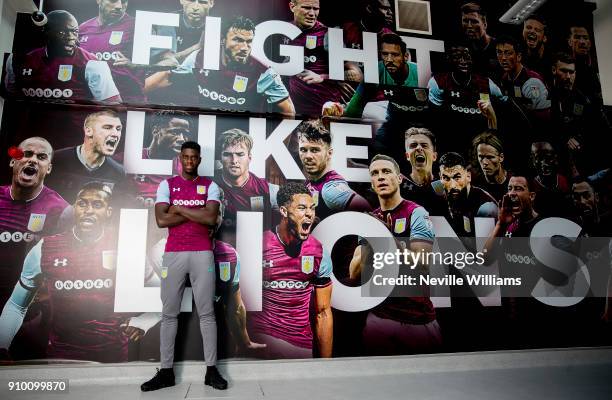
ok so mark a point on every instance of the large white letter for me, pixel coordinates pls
(295, 65)
(211, 51)
(206, 139)
(273, 146)
(338, 54)
(144, 41)
(423, 47)
(249, 237)
(342, 151)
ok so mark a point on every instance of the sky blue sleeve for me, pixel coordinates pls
(236, 280)
(336, 195)
(435, 93)
(214, 193)
(535, 90)
(30, 275)
(163, 193)
(271, 84)
(421, 227)
(326, 267)
(496, 92)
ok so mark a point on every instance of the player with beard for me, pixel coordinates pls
(241, 84)
(191, 25)
(400, 325)
(243, 190)
(296, 269)
(537, 54)
(419, 186)
(525, 86)
(580, 46)
(110, 37)
(28, 209)
(61, 70)
(77, 268)
(462, 99)
(311, 88)
(592, 219)
(465, 202)
(552, 188)
(169, 130)
(330, 191)
(188, 205)
(376, 16)
(489, 152)
(92, 160)
(474, 25)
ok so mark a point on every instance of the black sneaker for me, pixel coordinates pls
(163, 378)
(213, 378)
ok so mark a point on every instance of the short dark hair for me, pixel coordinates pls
(564, 57)
(538, 17)
(474, 7)
(97, 186)
(191, 145)
(507, 39)
(522, 174)
(451, 159)
(421, 131)
(314, 131)
(239, 22)
(162, 118)
(286, 192)
(489, 138)
(384, 157)
(56, 18)
(392, 38)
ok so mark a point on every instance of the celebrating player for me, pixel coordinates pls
(78, 270)
(465, 202)
(536, 57)
(92, 160)
(490, 156)
(28, 209)
(187, 205)
(295, 264)
(330, 191)
(61, 69)
(401, 324)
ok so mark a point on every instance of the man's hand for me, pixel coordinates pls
(122, 61)
(310, 77)
(134, 334)
(573, 144)
(332, 109)
(505, 211)
(174, 210)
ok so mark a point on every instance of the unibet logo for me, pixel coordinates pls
(107, 56)
(221, 98)
(16, 237)
(310, 59)
(88, 284)
(48, 93)
(188, 202)
(285, 285)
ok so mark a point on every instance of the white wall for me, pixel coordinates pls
(602, 26)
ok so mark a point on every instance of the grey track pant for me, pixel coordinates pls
(201, 269)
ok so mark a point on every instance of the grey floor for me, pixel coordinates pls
(572, 374)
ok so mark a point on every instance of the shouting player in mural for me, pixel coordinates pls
(92, 160)
(77, 268)
(400, 325)
(330, 191)
(188, 205)
(61, 70)
(295, 264)
(29, 209)
(243, 190)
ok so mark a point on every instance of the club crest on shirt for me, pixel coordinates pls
(164, 272)
(224, 271)
(36, 222)
(307, 264)
(201, 189)
(311, 42)
(115, 37)
(420, 94)
(400, 225)
(240, 83)
(257, 203)
(109, 260)
(64, 73)
(315, 197)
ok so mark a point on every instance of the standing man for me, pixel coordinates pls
(330, 191)
(92, 160)
(77, 268)
(419, 186)
(243, 190)
(296, 269)
(465, 202)
(400, 325)
(61, 70)
(187, 205)
(489, 152)
(311, 88)
(482, 45)
(28, 209)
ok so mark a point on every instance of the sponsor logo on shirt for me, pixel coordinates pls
(88, 284)
(37, 222)
(188, 202)
(48, 93)
(107, 56)
(220, 97)
(63, 262)
(285, 285)
(520, 259)
(310, 59)
(16, 237)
